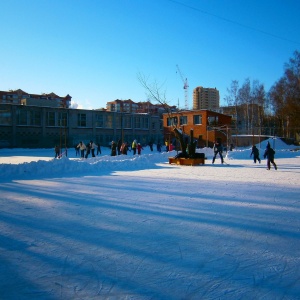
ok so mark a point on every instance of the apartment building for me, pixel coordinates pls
(206, 98)
(24, 98)
(138, 107)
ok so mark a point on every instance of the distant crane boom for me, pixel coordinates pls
(185, 87)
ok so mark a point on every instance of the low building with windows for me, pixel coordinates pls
(208, 126)
(30, 126)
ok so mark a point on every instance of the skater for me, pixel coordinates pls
(255, 153)
(269, 154)
(124, 148)
(167, 145)
(151, 146)
(76, 150)
(139, 148)
(218, 148)
(113, 148)
(93, 147)
(57, 151)
(98, 149)
(88, 150)
(133, 147)
(158, 147)
(81, 146)
(119, 147)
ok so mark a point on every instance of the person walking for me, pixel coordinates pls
(81, 146)
(218, 149)
(255, 153)
(269, 154)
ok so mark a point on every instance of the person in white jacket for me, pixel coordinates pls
(93, 148)
(82, 148)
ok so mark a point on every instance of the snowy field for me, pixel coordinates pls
(135, 227)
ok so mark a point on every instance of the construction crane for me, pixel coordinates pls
(185, 87)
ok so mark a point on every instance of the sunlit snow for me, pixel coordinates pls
(136, 227)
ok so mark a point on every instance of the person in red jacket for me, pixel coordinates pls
(139, 148)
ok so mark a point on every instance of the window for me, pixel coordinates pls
(51, 118)
(35, 118)
(197, 119)
(127, 122)
(213, 120)
(81, 120)
(22, 117)
(137, 122)
(5, 117)
(100, 121)
(109, 121)
(145, 123)
(183, 120)
(172, 121)
(62, 119)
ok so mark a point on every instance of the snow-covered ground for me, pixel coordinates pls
(135, 227)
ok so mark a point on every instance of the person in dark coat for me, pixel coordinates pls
(113, 148)
(98, 149)
(88, 150)
(255, 153)
(218, 149)
(269, 154)
(119, 147)
(57, 151)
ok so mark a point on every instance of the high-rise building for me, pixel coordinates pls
(206, 98)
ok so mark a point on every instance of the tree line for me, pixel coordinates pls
(276, 112)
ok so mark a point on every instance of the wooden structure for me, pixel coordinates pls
(186, 161)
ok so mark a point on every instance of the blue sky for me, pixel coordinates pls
(95, 49)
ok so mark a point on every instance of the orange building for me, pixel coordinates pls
(207, 126)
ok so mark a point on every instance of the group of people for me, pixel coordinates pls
(122, 148)
(84, 150)
(269, 154)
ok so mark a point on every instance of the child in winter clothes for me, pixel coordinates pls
(255, 153)
(269, 154)
(139, 148)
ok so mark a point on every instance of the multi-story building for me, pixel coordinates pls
(24, 98)
(36, 126)
(122, 106)
(208, 126)
(138, 107)
(206, 98)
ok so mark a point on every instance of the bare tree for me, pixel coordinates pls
(285, 97)
(155, 92)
